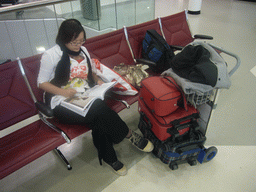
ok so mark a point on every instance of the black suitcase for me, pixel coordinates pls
(187, 148)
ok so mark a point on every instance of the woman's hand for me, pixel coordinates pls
(69, 92)
(100, 82)
(97, 79)
(50, 88)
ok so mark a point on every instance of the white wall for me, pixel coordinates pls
(24, 38)
(109, 2)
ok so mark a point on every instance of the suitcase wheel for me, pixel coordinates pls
(210, 153)
(192, 161)
(173, 166)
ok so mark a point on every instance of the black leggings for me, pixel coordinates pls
(106, 125)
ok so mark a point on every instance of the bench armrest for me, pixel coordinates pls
(176, 47)
(146, 62)
(43, 108)
(198, 36)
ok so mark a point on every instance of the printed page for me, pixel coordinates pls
(99, 90)
(82, 101)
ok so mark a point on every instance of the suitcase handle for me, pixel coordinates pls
(192, 116)
(193, 123)
(169, 79)
(174, 131)
(177, 126)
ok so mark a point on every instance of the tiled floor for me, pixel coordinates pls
(232, 128)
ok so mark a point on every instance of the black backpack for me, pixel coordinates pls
(156, 49)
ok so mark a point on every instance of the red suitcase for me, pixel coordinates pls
(173, 125)
(161, 95)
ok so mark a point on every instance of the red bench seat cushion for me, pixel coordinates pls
(25, 145)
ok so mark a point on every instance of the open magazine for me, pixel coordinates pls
(82, 102)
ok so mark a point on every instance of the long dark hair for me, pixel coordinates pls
(69, 30)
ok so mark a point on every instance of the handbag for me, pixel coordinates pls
(134, 74)
(123, 87)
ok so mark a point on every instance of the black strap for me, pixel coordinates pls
(57, 81)
(183, 94)
(91, 81)
(159, 38)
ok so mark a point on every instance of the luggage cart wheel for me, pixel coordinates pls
(173, 166)
(192, 161)
(210, 153)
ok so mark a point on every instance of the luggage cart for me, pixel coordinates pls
(189, 148)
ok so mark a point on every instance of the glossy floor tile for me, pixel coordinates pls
(232, 127)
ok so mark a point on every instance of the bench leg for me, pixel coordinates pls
(63, 158)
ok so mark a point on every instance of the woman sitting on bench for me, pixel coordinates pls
(67, 60)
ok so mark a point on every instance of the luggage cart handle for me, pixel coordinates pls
(238, 60)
